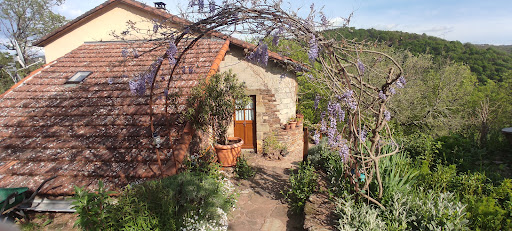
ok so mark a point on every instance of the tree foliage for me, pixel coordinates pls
(487, 62)
(5, 80)
(28, 20)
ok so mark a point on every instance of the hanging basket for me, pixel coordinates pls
(228, 154)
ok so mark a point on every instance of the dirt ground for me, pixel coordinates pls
(49, 222)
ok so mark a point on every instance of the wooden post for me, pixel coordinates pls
(306, 144)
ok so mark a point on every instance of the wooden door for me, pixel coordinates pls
(245, 124)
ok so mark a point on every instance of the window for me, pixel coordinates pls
(78, 77)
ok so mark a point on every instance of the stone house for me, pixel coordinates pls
(94, 128)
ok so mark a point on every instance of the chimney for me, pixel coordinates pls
(160, 5)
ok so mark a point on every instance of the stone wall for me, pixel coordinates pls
(293, 139)
(275, 89)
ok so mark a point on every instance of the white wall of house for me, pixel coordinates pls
(99, 27)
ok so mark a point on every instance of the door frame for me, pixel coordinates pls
(254, 125)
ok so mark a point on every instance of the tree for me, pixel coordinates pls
(25, 21)
(5, 80)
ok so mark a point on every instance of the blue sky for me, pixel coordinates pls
(479, 22)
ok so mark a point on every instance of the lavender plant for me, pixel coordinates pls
(359, 80)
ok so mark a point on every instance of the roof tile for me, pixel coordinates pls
(95, 129)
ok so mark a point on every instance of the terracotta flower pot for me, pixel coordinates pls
(293, 124)
(227, 154)
(286, 126)
(300, 119)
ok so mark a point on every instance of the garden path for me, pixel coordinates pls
(261, 205)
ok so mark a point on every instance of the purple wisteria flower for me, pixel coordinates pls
(392, 90)
(212, 6)
(331, 132)
(313, 49)
(387, 115)
(310, 76)
(110, 81)
(191, 69)
(341, 115)
(344, 152)
(316, 137)
(323, 19)
(382, 95)
(171, 52)
(323, 124)
(138, 86)
(360, 66)
(135, 53)
(317, 101)
(362, 135)
(155, 27)
(334, 109)
(276, 36)
(349, 100)
(184, 70)
(124, 53)
(401, 82)
(260, 54)
(200, 5)
(166, 92)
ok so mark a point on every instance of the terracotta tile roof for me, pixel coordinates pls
(96, 129)
(158, 12)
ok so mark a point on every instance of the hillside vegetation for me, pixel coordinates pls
(487, 62)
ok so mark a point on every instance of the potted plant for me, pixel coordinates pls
(300, 119)
(211, 107)
(292, 123)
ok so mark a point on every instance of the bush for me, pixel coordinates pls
(398, 175)
(491, 209)
(485, 213)
(182, 202)
(273, 149)
(203, 162)
(242, 168)
(322, 157)
(437, 211)
(302, 185)
(358, 216)
(421, 210)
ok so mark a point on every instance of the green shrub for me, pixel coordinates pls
(190, 200)
(322, 157)
(94, 208)
(492, 209)
(203, 162)
(272, 148)
(485, 213)
(357, 216)
(242, 169)
(415, 210)
(437, 211)
(302, 185)
(439, 179)
(397, 174)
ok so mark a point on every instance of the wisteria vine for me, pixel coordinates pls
(358, 80)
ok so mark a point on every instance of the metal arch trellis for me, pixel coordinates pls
(339, 65)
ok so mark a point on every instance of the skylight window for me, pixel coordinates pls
(78, 77)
